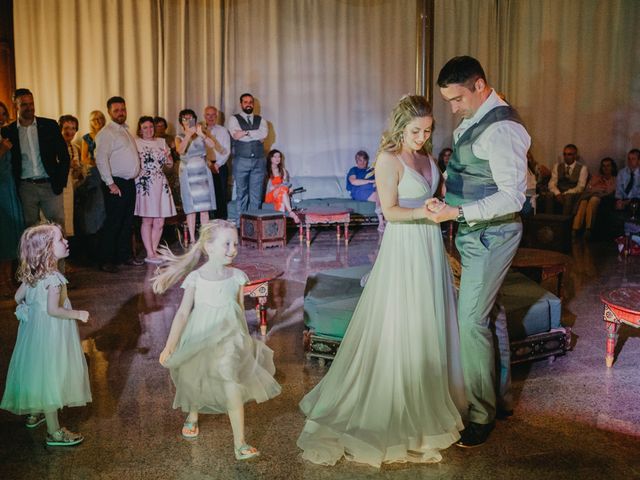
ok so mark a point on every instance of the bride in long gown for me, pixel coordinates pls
(395, 388)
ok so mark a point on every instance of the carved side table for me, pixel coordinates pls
(621, 305)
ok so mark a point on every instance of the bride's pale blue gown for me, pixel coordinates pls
(395, 389)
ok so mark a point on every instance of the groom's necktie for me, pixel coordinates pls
(249, 121)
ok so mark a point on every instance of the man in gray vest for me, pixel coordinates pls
(248, 132)
(568, 180)
(486, 183)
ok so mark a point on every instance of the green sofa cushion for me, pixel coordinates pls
(331, 297)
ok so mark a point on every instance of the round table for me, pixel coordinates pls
(548, 263)
(260, 274)
(621, 305)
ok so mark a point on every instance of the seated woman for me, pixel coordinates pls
(443, 159)
(362, 184)
(599, 187)
(278, 184)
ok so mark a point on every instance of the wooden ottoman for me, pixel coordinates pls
(261, 230)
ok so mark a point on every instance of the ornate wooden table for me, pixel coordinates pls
(621, 305)
(327, 216)
(546, 263)
(260, 274)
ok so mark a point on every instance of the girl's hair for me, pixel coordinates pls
(37, 259)
(179, 265)
(281, 169)
(408, 108)
(144, 119)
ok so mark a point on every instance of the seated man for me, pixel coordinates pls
(628, 185)
(568, 180)
(362, 184)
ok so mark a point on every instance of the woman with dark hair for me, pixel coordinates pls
(11, 217)
(600, 186)
(278, 184)
(395, 388)
(161, 127)
(443, 159)
(69, 127)
(154, 201)
(196, 182)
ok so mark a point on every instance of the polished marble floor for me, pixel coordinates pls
(574, 418)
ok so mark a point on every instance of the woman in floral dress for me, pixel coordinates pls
(154, 201)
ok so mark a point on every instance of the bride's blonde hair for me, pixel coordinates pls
(179, 265)
(408, 108)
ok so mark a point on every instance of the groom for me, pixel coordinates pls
(485, 189)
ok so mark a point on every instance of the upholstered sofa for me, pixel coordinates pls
(324, 191)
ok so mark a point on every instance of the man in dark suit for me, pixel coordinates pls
(39, 160)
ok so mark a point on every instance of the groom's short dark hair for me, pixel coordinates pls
(460, 70)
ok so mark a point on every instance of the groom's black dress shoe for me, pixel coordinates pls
(474, 435)
(503, 414)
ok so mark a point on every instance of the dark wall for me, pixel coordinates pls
(7, 59)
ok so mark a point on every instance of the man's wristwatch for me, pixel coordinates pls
(460, 218)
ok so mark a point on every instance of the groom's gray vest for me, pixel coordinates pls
(253, 149)
(469, 178)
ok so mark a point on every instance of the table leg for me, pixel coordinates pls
(308, 227)
(300, 231)
(338, 231)
(346, 233)
(612, 338)
(261, 308)
(559, 290)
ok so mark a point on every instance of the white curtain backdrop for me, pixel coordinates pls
(326, 73)
(570, 67)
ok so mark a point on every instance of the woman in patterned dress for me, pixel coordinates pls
(154, 201)
(196, 181)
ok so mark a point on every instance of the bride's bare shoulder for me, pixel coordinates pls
(387, 160)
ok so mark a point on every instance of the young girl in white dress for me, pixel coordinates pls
(215, 364)
(47, 370)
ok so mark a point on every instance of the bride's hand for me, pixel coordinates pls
(434, 205)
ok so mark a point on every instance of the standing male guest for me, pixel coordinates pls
(40, 161)
(118, 163)
(568, 181)
(249, 164)
(486, 183)
(218, 156)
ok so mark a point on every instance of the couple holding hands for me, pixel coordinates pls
(416, 371)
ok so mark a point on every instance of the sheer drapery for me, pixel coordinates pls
(325, 73)
(75, 54)
(571, 68)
